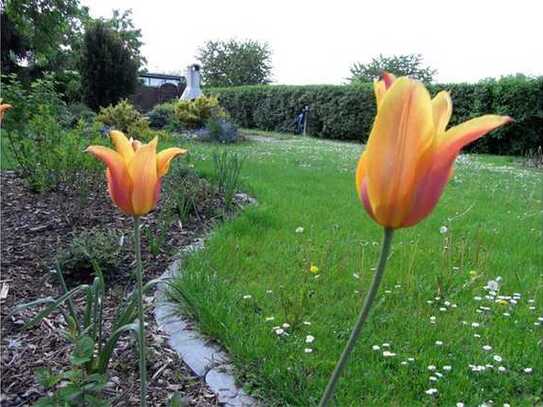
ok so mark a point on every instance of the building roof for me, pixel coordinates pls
(161, 76)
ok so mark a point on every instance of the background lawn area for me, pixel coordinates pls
(432, 310)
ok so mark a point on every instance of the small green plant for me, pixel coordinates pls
(156, 235)
(104, 248)
(124, 117)
(222, 130)
(92, 346)
(194, 113)
(162, 115)
(227, 167)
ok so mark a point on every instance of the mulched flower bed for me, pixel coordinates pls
(34, 227)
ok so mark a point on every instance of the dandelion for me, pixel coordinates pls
(299, 229)
(309, 339)
(313, 269)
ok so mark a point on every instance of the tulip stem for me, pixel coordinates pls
(141, 328)
(378, 276)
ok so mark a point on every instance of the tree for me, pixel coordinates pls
(400, 65)
(109, 68)
(235, 63)
(40, 33)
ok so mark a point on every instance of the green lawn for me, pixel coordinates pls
(432, 309)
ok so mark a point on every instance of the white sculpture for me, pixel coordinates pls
(192, 76)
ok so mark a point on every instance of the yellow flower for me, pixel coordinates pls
(409, 156)
(313, 269)
(134, 172)
(502, 302)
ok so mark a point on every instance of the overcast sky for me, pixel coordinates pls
(316, 42)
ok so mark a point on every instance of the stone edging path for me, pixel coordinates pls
(205, 358)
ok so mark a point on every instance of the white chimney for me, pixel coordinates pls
(192, 76)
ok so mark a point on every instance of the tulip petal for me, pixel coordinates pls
(119, 184)
(143, 172)
(360, 172)
(401, 134)
(388, 79)
(164, 158)
(442, 110)
(379, 89)
(431, 184)
(122, 145)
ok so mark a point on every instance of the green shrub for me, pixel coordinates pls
(162, 115)
(104, 248)
(124, 117)
(76, 112)
(347, 112)
(194, 113)
(221, 131)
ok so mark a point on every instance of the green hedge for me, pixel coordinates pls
(347, 112)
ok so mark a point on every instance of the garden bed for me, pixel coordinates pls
(34, 227)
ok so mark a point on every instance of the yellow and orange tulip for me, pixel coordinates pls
(3, 108)
(134, 172)
(410, 155)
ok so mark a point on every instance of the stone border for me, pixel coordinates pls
(206, 359)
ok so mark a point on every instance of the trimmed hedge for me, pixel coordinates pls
(347, 112)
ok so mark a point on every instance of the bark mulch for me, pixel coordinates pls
(33, 228)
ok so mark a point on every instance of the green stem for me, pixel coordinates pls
(141, 330)
(331, 387)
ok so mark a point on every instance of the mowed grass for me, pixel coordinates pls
(439, 327)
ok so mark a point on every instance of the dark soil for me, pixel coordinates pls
(34, 227)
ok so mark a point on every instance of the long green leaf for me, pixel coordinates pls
(53, 306)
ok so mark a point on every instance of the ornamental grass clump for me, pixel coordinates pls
(401, 174)
(134, 173)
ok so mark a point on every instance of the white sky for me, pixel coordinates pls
(315, 42)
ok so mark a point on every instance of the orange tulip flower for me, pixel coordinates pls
(134, 172)
(3, 108)
(409, 156)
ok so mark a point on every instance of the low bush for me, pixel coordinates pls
(347, 112)
(162, 115)
(222, 131)
(194, 113)
(102, 248)
(77, 112)
(124, 117)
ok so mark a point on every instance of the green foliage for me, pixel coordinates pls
(184, 190)
(93, 345)
(227, 166)
(162, 115)
(124, 117)
(46, 154)
(88, 247)
(235, 63)
(194, 113)
(109, 68)
(347, 112)
(44, 33)
(222, 130)
(400, 65)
